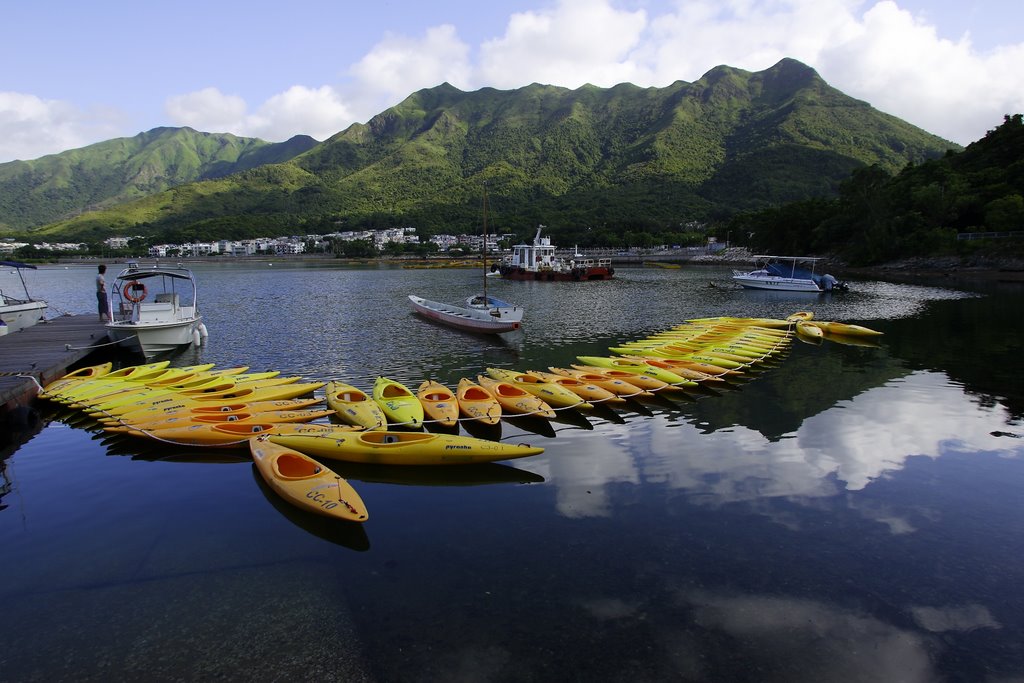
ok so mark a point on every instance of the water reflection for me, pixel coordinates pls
(792, 639)
(350, 535)
(844, 448)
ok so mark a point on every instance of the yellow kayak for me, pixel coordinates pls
(637, 379)
(439, 403)
(149, 414)
(514, 399)
(237, 395)
(615, 385)
(809, 330)
(85, 374)
(477, 403)
(400, 406)
(553, 394)
(846, 330)
(639, 367)
(588, 391)
(227, 434)
(305, 483)
(354, 406)
(402, 448)
(188, 419)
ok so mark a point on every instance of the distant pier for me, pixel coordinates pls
(43, 353)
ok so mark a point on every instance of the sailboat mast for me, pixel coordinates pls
(485, 244)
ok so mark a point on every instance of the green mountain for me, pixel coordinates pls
(59, 186)
(878, 217)
(592, 163)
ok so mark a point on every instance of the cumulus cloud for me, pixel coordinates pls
(31, 127)
(318, 112)
(871, 49)
(207, 110)
(399, 65)
(577, 42)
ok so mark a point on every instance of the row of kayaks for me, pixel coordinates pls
(283, 425)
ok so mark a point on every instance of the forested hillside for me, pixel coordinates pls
(592, 163)
(879, 216)
(114, 172)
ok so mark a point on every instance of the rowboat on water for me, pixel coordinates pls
(496, 317)
(481, 312)
(399, 405)
(402, 448)
(477, 403)
(305, 483)
(354, 406)
(439, 403)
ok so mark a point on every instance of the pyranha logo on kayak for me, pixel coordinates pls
(457, 447)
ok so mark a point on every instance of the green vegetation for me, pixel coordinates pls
(879, 216)
(109, 173)
(600, 167)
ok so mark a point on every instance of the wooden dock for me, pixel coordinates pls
(43, 353)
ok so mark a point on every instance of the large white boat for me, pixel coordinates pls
(17, 313)
(157, 321)
(537, 261)
(786, 274)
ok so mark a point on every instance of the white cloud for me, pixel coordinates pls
(31, 127)
(871, 50)
(577, 42)
(399, 65)
(208, 110)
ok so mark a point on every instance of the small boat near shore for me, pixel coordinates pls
(481, 312)
(496, 318)
(787, 274)
(151, 326)
(17, 313)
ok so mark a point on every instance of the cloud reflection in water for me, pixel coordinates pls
(844, 448)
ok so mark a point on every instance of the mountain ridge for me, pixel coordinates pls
(619, 158)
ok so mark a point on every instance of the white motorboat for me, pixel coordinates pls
(482, 312)
(786, 274)
(17, 313)
(158, 321)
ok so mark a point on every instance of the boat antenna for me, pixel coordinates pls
(485, 244)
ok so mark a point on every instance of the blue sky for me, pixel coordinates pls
(75, 73)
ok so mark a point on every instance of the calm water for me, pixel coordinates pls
(851, 514)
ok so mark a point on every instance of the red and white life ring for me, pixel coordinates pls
(132, 289)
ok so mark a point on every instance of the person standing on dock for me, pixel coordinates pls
(101, 293)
